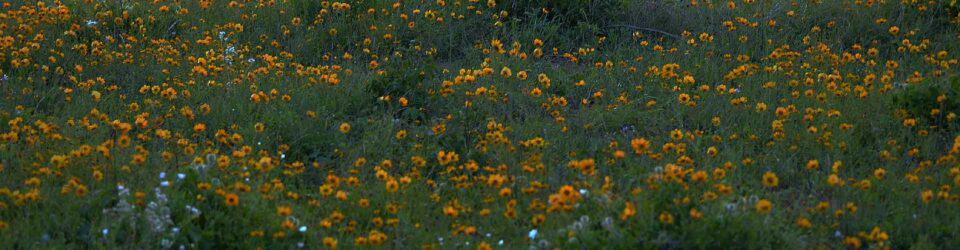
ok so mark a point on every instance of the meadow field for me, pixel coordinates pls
(479, 124)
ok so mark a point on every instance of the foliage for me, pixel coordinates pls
(479, 124)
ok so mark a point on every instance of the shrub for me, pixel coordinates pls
(921, 99)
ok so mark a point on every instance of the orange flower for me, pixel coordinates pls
(284, 211)
(639, 145)
(392, 186)
(330, 242)
(803, 223)
(770, 180)
(199, 127)
(628, 211)
(764, 206)
(232, 199)
(665, 218)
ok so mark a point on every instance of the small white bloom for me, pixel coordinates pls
(583, 191)
(303, 229)
(532, 234)
(163, 175)
(193, 210)
(105, 231)
(165, 184)
(500, 243)
(577, 226)
(91, 23)
(166, 243)
(181, 176)
(607, 223)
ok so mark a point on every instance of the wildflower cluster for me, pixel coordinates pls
(399, 124)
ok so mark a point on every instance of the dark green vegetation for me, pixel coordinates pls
(476, 124)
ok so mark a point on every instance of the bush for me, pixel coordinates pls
(578, 21)
(920, 99)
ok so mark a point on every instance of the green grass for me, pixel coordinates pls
(101, 98)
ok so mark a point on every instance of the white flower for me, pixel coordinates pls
(730, 206)
(91, 23)
(164, 183)
(576, 226)
(163, 175)
(607, 223)
(193, 211)
(303, 229)
(181, 176)
(166, 243)
(532, 234)
(211, 158)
